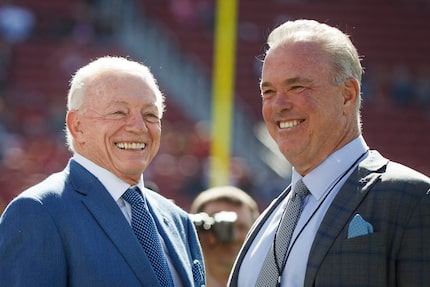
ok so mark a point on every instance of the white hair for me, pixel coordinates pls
(84, 76)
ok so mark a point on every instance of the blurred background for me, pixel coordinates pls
(43, 42)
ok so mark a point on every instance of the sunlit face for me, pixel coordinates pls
(118, 127)
(221, 256)
(305, 113)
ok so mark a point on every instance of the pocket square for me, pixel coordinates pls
(358, 227)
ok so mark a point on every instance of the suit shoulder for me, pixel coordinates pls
(50, 187)
(163, 202)
(401, 178)
(400, 172)
(391, 172)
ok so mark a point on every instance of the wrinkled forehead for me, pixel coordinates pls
(303, 48)
(295, 58)
(111, 77)
(111, 89)
(117, 83)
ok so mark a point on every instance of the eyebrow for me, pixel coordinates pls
(289, 81)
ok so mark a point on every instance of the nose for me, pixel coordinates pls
(283, 97)
(281, 102)
(136, 122)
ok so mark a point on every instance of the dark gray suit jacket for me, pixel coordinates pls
(396, 201)
(68, 231)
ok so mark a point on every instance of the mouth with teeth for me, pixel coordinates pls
(289, 124)
(131, 145)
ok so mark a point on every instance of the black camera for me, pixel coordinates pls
(221, 224)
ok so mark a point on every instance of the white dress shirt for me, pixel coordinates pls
(323, 183)
(116, 187)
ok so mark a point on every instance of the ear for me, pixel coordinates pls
(351, 93)
(73, 122)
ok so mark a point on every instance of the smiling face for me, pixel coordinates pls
(306, 114)
(118, 127)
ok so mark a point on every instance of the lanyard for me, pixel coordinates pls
(284, 261)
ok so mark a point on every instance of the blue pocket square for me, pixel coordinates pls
(358, 227)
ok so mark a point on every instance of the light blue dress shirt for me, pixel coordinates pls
(323, 182)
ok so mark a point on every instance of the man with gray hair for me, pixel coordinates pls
(353, 217)
(95, 223)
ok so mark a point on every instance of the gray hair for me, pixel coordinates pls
(85, 75)
(343, 54)
(345, 61)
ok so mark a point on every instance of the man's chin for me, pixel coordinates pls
(130, 174)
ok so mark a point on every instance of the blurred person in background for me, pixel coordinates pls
(80, 227)
(16, 22)
(353, 218)
(223, 216)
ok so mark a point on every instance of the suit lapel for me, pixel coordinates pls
(255, 229)
(172, 240)
(342, 209)
(110, 218)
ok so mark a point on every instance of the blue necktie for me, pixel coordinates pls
(146, 232)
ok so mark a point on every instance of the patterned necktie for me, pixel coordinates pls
(270, 274)
(146, 232)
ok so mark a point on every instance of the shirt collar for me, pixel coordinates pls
(321, 178)
(114, 185)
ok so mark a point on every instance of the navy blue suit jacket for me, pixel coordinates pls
(68, 231)
(396, 201)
